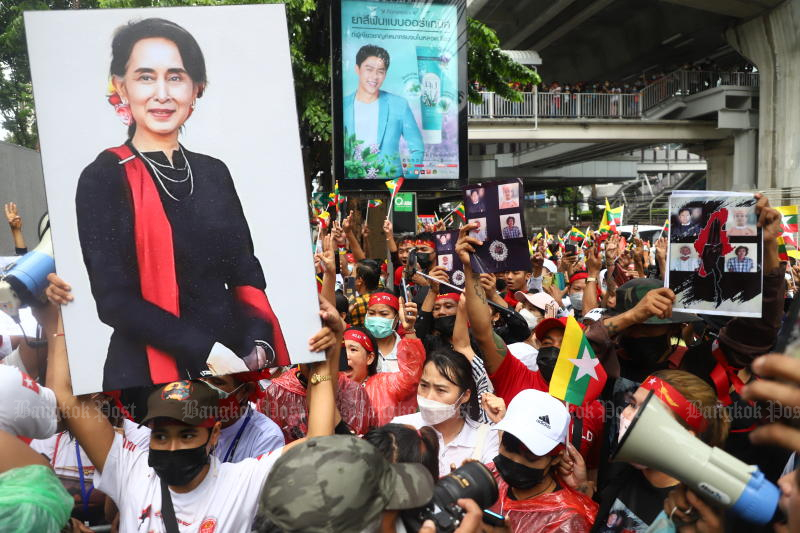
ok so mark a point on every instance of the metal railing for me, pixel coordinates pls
(536, 105)
(557, 105)
(589, 105)
(682, 83)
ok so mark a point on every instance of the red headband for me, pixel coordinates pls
(425, 243)
(455, 296)
(384, 298)
(359, 337)
(578, 275)
(673, 399)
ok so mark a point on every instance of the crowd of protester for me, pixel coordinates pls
(417, 380)
(630, 85)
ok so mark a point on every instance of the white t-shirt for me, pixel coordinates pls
(260, 435)
(225, 501)
(460, 448)
(27, 409)
(61, 451)
(388, 362)
(14, 358)
(5, 346)
(140, 436)
(525, 353)
(366, 122)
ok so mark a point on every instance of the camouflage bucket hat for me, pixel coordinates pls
(339, 484)
(632, 292)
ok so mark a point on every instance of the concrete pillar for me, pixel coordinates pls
(772, 42)
(745, 149)
(719, 155)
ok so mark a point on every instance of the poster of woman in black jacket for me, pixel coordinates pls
(178, 245)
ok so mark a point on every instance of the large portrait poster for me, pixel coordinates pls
(399, 91)
(175, 188)
(714, 259)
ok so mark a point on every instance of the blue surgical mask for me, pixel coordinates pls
(379, 327)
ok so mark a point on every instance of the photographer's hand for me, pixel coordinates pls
(471, 523)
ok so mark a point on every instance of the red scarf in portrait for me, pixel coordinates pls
(154, 253)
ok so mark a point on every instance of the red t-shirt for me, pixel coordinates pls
(513, 376)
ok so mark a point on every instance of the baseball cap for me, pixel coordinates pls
(191, 402)
(537, 419)
(632, 292)
(549, 323)
(550, 266)
(539, 299)
(338, 484)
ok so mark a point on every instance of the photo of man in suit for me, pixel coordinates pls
(379, 118)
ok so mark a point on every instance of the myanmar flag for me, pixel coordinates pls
(665, 229)
(578, 376)
(461, 213)
(789, 221)
(783, 255)
(576, 235)
(614, 216)
(374, 203)
(605, 228)
(395, 184)
(324, 219)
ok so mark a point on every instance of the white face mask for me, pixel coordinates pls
(434, 412)
(531, 319)
(577, 300)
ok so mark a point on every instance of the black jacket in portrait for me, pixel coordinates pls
(213, 254)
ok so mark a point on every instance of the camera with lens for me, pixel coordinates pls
(472, 480)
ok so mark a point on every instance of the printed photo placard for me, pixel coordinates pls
(714, 256)
(495, 206)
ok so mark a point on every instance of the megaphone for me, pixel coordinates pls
(656, 440)
(23, 282)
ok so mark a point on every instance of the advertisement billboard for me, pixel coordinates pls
(399, 93)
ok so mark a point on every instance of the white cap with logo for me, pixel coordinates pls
(537, 419)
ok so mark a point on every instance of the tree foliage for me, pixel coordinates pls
(309, 34)
(490, 67)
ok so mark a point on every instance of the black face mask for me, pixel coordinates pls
(424, 260)
(517, 475)
(178, 467)
(644, 352)
(444, 325)
(546, 360)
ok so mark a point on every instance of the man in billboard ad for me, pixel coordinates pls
(400, 111)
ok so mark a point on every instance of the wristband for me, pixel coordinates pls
(591, 280)
(316, 378)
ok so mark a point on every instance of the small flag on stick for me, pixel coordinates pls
(394, 187)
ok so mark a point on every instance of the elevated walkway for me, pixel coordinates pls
(494, 130)
(552, 135)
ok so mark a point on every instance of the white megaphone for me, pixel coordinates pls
(23, 282)
(656, 440)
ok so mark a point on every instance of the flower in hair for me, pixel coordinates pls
(123, 110)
